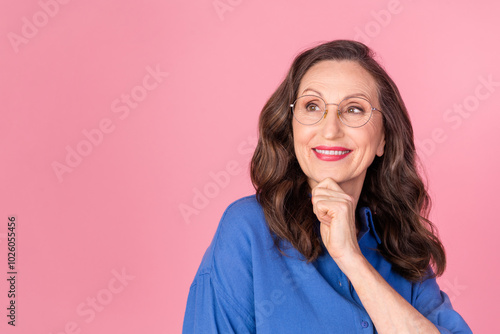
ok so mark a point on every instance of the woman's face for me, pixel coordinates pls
(330, 148)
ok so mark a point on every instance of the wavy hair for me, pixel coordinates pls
(393, 188)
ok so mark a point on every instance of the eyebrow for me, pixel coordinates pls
(345, 97)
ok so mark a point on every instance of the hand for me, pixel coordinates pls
(336, 211)
(390, 312)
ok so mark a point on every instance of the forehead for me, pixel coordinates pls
(336, 79)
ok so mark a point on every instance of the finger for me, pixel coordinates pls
(333, 206)
(329, 193)
(329, 183)
(333, 198)
(324, 211)
(328, 209)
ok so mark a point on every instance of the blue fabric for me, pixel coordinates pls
(244, 285)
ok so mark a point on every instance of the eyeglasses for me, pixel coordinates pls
(354, 112)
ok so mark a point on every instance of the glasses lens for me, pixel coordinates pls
(355, 111)
(308, 109)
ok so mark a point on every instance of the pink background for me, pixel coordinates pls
(118, 209)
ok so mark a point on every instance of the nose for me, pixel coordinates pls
(331, 124)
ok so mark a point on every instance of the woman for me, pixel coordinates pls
(336, 239)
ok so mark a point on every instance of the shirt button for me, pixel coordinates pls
(364, 324)
(340, 283)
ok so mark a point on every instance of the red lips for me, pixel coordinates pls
(331, 153)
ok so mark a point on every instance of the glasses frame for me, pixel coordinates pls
(339, 113)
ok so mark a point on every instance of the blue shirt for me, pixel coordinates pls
(244, 285)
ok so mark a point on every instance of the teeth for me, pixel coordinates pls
(329, 152)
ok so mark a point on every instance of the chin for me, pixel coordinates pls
(315, 180)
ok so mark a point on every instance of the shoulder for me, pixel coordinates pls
(242, 225)
(242, 219)
(244, 207)
(242, 237)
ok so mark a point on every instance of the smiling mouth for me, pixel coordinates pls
(331, 152)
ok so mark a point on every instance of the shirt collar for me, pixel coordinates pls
(366, 223)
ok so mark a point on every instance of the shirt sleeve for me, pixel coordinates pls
(435, 305)
(221, 298)
(210, 310)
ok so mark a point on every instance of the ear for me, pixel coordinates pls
(381, 146)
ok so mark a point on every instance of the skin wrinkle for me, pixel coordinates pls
(336, 186)
(333, 81)
(281, 183)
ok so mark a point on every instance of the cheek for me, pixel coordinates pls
(296, 137)
(373, 136)
(300, 139)
(300, 142)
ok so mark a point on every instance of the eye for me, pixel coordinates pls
(312, 107)
(354, 109)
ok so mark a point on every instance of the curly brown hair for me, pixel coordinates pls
(393, 188)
